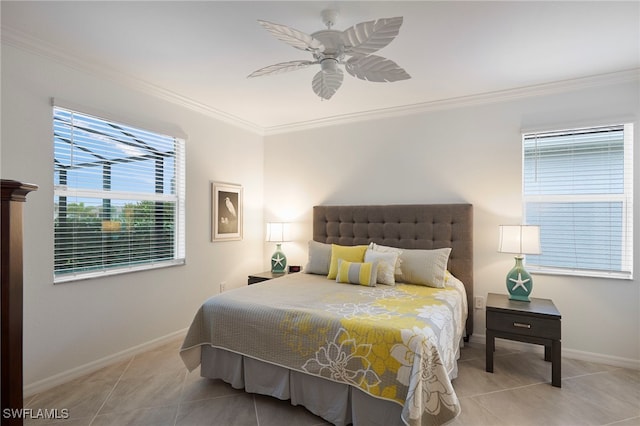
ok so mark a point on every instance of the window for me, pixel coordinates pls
(577, 186)
(118, 197)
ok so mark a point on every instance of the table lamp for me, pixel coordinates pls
(521, 240)
(278, 232)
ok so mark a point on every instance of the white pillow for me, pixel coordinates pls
(386, 265)
(425, 267)
(387, 249)
(319, 258)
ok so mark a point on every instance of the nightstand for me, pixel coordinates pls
(535, 322)
(263, 276)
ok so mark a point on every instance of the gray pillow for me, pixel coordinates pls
(425, 267)
(319, 258)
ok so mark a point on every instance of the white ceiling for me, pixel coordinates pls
(199, 53)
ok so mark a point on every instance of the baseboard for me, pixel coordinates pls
(74, 373)
(566, 353)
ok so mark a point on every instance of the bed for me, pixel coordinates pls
(383, 354)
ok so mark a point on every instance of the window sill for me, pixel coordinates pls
(580, 273)
(116, 271)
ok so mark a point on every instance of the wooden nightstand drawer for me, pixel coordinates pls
(524, 325)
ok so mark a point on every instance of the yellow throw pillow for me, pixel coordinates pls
(357, 273)
(348, 253)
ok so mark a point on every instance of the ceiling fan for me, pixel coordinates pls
(352, 48)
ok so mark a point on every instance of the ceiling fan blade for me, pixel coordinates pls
(375, 68)
(367, 37)
(281, 67)
(326, 84)
(293, 37)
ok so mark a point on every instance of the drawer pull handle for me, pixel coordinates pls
(521, 325)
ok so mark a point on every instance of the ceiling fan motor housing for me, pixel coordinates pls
(333, 44)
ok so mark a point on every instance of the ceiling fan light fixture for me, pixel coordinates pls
(329, 65)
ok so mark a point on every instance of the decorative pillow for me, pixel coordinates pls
(386, 265)
(319, 258)
(425, 267)
(387, 249)
(349, 253)
(356, 273)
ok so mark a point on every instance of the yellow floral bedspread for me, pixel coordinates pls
(398, 343)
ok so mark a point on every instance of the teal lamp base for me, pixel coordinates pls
(278, 261)
(519, 282)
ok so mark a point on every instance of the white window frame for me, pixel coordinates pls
(178, 200)
(626, 199)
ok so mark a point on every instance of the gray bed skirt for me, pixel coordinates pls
(337, 403)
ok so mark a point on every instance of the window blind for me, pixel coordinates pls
(577, 186)
(118, 197)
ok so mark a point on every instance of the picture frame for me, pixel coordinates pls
(226, 211)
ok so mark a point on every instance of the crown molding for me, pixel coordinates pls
(619, 77)
(19, 39)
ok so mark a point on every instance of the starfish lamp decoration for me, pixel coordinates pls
(278, 260)
(519, 282)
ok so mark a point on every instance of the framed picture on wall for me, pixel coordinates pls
(226, 211)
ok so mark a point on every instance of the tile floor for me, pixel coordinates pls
(155, 389)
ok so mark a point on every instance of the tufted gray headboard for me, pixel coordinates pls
(408, 226)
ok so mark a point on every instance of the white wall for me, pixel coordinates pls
(67, 326)
(468, 154)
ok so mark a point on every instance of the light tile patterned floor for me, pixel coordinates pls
(155, 389)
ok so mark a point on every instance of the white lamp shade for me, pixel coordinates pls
(519, 239)
(278, 232)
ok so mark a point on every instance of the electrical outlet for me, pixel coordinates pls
(223, 286)
(479, 302)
